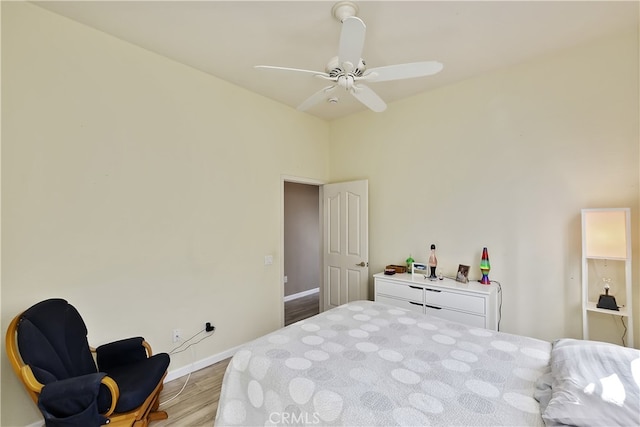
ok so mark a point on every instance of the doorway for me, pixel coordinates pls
(302, 241)
(331, 250)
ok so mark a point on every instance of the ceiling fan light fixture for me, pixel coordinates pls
(347, 69)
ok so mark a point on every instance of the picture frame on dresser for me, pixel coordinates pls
(462, 275)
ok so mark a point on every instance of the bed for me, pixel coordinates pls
(366, 363)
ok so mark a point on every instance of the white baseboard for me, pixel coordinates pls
(301, 294)
(199, 364)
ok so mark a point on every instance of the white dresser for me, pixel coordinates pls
(470, 303)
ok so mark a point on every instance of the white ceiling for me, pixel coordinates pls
(227, 38)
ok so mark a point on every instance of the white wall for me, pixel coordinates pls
(145, 192)
(506, 161)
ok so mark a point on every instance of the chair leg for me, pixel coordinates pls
(154, 413)
(157, 415)
(151, 416)
(156, 403)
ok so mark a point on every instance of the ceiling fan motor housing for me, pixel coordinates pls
(334, 68)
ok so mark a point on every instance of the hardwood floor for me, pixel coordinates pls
(198, 403)
(301, 308)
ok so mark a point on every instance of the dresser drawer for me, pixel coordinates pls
(457, 316)
(400, 303)
(472, 303)
(399, 290)
(457, 301)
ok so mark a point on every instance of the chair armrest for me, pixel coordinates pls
(112, 386)
(122, 352)
(30, 380)
(144, 343)
(34, 385)
(77, 397)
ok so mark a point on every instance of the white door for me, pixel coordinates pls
(345, 242)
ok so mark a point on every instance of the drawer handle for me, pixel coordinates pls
(433, 290)
(415, 303)
(434, 307)
(415, 287)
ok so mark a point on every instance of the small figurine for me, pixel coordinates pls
(410, 262)
(433, 263)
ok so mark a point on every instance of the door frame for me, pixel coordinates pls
(298, 180)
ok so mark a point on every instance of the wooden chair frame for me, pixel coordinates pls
(139, 417)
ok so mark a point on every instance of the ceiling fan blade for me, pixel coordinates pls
(351, 42)
(369, 98)
(402, 71)
(297, 70)
(316, 98)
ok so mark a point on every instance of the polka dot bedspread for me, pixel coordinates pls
(370, 364)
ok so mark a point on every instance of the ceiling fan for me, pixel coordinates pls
(348, 69)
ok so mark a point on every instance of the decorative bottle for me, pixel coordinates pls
(409, 261)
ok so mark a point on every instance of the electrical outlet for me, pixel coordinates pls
(177, 335)
(209, 327)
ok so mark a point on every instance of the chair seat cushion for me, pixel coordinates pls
(135, 381)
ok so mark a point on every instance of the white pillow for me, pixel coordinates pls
(593, 384)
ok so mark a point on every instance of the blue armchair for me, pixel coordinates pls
(48, 350)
